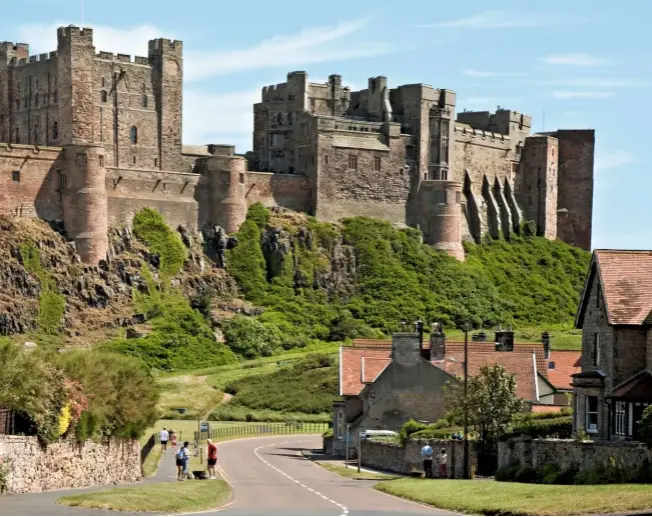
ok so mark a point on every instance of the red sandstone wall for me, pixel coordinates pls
(36, 194)
(286, 190)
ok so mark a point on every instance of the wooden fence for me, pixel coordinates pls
(263, 429)
(147, 448)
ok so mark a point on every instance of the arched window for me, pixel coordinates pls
(17, 136)
(133, 135)
(103, 96)
(55, 131)
(144, 101)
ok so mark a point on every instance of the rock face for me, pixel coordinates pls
(96, 297)
(67, 464)
(315, 260)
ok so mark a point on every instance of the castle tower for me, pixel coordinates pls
(75, 71)
(441, 216)
(227, 174)
(85, 200)
(9, 55)
(166, 57)
(441, 129)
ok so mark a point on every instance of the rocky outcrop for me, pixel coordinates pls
(96, 297)
(321, 263)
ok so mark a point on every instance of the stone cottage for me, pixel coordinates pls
(384, 383)
(615, 315)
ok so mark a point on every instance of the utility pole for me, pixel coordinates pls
(346, 447)
(466, 405)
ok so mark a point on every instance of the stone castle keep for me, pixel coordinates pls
(92, 137)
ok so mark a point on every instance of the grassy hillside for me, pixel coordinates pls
(390, 277)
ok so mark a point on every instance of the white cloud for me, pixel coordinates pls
(479, 73)
(312, 45)
(130, 40)
(219, 118)
(582, 95)
(487, 100)
(494, 19)
(598, 83)
(574, 59)
(612, 159)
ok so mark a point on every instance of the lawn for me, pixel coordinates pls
(190, 392)
(150, 466)
(352, 472)
(485, 497)
(191, 496)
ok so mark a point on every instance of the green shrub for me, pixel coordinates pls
(507, 473)
(149, 226)
(249, 338)
(308, 386)
(558, 427)
(258, 214)
(409, 428)
(246, 262)
(526, 474)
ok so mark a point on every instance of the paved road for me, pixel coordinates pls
(269, 476)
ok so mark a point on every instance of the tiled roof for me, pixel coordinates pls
(520, 365)
(626, 279)
(370, 141)
(567, 362)
(637, 388)
(351, 367)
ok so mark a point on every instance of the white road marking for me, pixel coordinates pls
(344, 509)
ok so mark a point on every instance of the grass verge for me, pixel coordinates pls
(192, 496)
(150, 466)
(483, 497)
(352, 472)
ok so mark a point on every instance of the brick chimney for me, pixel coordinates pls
(437, 343)
(406, 347)
(545, 339)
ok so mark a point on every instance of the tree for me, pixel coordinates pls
(491, 402)
(645, 426)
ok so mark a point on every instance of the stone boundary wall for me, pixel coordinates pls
(567, 453)
(392, 457)
(67, 464)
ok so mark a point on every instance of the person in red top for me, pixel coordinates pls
(212, 458)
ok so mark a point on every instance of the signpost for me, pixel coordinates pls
(363, 436)
(346, 447)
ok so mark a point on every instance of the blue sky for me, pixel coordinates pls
(580, 64)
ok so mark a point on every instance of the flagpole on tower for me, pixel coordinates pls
(82, 13)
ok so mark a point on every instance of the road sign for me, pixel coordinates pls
(203, 427)
(363, 435)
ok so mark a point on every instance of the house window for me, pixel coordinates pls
(591, 414)
(596, 349)
(377, 163)
(514, 166)
(340, 425)
(104, 96)
(15, 176)
(63, 180)
(620, 418)
(353, 162)
(81, 160)
(133, 135)
(144, 101)
(101, 159)
(155, 162)
(440, 197)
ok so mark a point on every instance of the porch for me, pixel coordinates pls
(627, 402)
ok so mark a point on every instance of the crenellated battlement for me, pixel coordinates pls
(73, 34)
(165, 46)
(123, 58)
(501, 121)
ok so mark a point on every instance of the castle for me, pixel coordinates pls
(91, 137)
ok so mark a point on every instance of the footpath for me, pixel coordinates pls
(44, 503)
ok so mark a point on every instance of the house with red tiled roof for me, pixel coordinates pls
(384, 383)
(614, 384)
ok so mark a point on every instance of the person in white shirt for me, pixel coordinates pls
(442, 459)
(163, 437)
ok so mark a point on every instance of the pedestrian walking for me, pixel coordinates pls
(182, 458)
(163, 437)
(426, 456)
(442, 460)
(212, 459)
(173, 440)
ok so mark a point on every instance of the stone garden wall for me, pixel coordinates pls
(391, 457)
(67, 464)
(567, 453)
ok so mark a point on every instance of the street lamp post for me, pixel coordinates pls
(466, 406)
